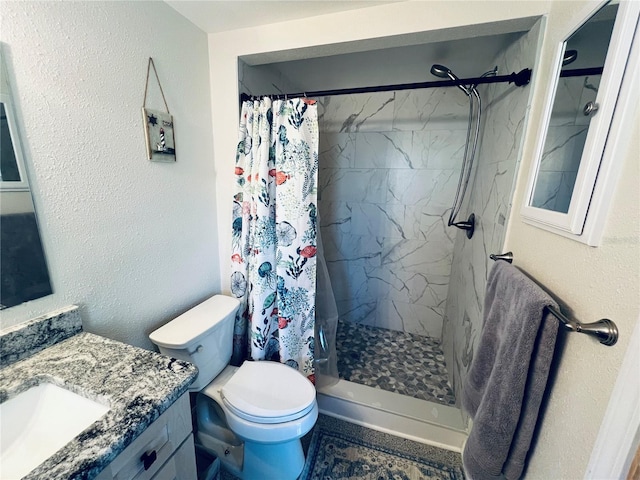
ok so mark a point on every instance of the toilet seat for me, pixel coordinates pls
(268, 392)
(254, 419)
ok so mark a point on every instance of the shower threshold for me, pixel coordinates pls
(407, 417)
(394, 382)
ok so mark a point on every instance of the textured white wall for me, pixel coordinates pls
(133, 242)
(595, 283)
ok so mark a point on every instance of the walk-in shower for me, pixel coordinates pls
(391, 181)
(368, 342)
(396, 309)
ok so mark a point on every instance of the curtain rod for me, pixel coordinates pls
(579, 72)
(519, 79)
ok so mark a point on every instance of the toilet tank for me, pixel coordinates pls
(202, 336)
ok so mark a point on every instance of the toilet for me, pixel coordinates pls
(250, 417)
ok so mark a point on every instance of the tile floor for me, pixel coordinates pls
(395, 361)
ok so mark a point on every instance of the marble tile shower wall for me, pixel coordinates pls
(490, 199)
(389, 166)
(564, 143)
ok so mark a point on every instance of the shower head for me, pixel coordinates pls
(444, 72)
(570, 56)
(440, 71)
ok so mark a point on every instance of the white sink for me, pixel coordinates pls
(39, 422)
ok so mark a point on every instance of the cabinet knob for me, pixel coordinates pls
(590, 108)
(148, 458)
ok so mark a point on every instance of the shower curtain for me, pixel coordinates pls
(274, 232)
(326, 356)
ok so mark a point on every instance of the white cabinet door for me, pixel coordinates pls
(155, 448)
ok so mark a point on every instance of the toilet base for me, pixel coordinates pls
(257, 461)
(273, 461)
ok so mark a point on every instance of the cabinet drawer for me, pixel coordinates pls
(143, 458)
(182, 465)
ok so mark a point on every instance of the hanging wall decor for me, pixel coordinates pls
(158, 127)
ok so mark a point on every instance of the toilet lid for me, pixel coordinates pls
(268, 392)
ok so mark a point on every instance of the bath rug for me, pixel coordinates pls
(339, 455)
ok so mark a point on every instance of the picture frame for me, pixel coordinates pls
(159, 137)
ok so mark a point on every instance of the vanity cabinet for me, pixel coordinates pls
(164, 451)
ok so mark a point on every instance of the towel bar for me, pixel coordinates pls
(507, 257)
(604, 330)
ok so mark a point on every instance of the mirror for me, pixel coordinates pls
(582, 63)
(23, 268)
(589, 67)
(9, 171)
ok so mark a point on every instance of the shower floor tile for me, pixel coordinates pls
(398, 362)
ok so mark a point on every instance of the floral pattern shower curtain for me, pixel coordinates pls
(274, 232)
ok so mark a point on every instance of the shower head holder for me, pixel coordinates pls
(469, 226)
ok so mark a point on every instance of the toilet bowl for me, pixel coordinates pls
(268, 421)
(251, 417)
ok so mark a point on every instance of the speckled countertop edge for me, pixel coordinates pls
(138, 386)
(20, 341)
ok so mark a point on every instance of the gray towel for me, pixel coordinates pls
(508, 375)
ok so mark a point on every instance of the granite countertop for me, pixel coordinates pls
(137, 385)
